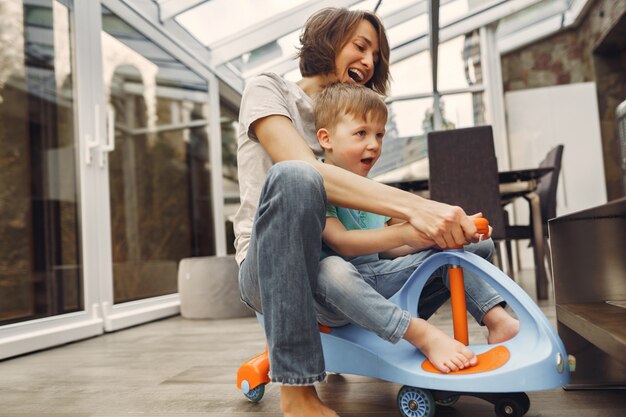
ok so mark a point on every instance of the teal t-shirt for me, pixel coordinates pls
(354, 220)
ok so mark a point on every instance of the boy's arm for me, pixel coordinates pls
(404, 249)
(365, 242)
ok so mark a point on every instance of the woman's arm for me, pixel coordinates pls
(446, 225)
(365, 242)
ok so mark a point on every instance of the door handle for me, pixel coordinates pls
(109, 143)
(89, 143)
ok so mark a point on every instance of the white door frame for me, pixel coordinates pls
(100, 313)
(28, 336)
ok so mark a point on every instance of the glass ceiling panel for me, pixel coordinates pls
(227, 17)
(268, 57)
(366, 5)
(408, 31)
(531, 15)
(390, 6)
(452, 11)
(216, 22)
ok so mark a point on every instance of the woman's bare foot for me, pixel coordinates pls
(500, 324)
(302, 401)
(445, 353)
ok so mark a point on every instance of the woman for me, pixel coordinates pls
(284, 190)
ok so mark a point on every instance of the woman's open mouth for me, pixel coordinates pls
(356, 75)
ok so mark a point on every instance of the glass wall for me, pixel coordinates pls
(40, 250)
(159, 171)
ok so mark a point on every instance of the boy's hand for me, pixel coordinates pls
(415, 238)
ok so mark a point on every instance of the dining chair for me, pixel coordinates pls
(463, 171)
(547, 191)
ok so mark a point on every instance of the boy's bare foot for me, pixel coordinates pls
(445, 353)
(302, 401)
(500, 324)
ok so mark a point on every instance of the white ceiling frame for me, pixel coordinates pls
(414, 10)
(478, 18)
(268, 30)
(541, 29)
(169, 9)
(395, 18)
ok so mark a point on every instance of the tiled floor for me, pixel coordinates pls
(178, 367)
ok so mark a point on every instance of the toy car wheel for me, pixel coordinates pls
(522, 399)
(416, 402)
(256, 394)
(448, 401)
(509, 407)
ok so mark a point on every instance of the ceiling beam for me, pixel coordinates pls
(287, 63)
(511, 39)
(475, 19)
(269, 30)
(169, 9)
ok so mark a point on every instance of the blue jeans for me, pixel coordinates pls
(339, 282)
(283, 278)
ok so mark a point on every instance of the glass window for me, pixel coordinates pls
(463, 110)
(40, 256)
(459, 63)
(409, 117)
(404, 156)
(412, 75)
(159, 172)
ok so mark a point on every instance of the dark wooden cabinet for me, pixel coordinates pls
(589, 269)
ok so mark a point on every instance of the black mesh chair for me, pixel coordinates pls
(546, 190)
(464, 172)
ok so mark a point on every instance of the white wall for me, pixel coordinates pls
(539, 119)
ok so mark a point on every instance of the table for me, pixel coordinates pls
(513, 184)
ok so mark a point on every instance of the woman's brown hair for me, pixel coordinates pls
(327, 31)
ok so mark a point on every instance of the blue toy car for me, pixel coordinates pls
(534, 360)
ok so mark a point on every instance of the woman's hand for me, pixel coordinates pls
(477, 236)
(448, 226)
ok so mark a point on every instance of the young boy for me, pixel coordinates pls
(350, 122)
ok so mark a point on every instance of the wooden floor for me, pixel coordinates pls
(178, 367)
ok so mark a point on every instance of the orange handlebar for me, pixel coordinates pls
(482, 225)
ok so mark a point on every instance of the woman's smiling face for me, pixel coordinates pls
(356, 60)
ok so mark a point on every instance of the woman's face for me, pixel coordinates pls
(356, 60)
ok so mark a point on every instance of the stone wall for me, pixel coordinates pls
(593, 51)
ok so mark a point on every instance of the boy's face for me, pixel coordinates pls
(354, 144)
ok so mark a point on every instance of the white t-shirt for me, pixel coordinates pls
(265, 95)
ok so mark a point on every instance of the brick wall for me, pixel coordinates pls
(592, 51)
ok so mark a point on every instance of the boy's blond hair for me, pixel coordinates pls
(339, 99)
